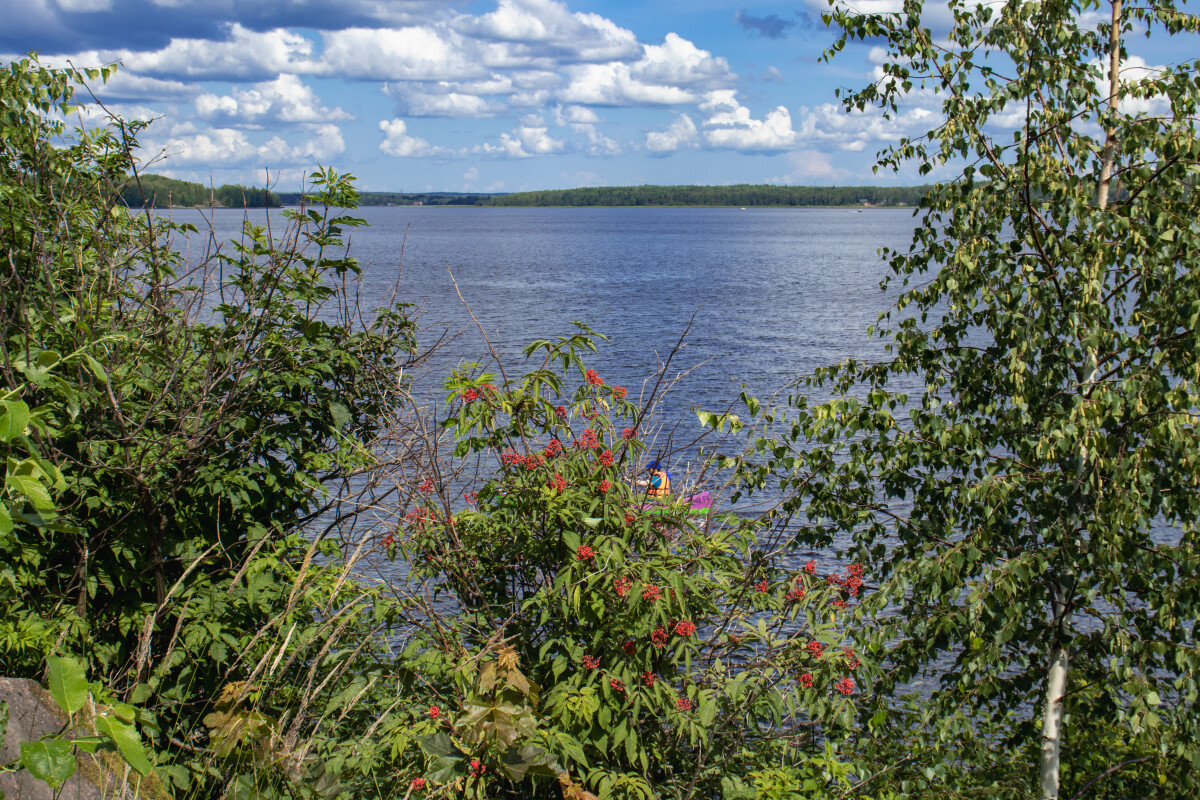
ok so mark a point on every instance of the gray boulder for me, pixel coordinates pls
(32, 714)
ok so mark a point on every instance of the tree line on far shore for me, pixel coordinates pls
(742, 195)
(159, 191)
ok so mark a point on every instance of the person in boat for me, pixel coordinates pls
(658, 480)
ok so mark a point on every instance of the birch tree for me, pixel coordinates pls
(1030, 502)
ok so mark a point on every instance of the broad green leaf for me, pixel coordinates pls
(66, 683)
(49, 760)
(125, 737)
(14, 419)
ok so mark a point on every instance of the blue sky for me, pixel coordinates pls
(495, 95)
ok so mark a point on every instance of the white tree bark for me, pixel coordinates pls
(1060, 656)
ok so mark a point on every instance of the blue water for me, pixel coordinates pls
(774, 293)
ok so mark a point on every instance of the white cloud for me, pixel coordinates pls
(575, 115)
(245, 54)
(397, 142)
(731, 126)
(231, 147)
(414, 53)
(811, 166)
(444, 103)
(285, 99)
(525, 141)
(828, 123)
(673, 73)
(681, 134)
(530, 30)
(472, 174)
(85, 5)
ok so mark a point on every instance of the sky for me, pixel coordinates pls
(487, 96)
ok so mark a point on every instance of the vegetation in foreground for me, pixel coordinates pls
(198, 487)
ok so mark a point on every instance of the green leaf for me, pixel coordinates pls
(436, 744)
(14, 419)
(49, 760)
(67, 683)
(446, 768)
(125, 737)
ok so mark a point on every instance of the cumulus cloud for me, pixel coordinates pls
(731, 126)
(397, 142)
(285, 99)
(244, 54)
(681, 134)
(531, 30)
(229, 147)
(529, 139)
(415, 103)
(412, 53)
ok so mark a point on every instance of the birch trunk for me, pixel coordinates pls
(1060, 657)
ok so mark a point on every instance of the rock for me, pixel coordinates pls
(32, 713)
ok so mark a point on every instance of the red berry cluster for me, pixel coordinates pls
(560, 412)
(476, 767)
(553, 448)
(470, 395)
(651, 593)
(559, 484)
(648, 678)
(606, 458)
(683, 704)
(806, 680)
(762, 586)
(685, 628)
(434, 712)
(811, 568)
(622, 585)
(588, 441)
(845, 686)
(660, 637)
(629, 647)
(471, 497)
(593, 378)
(629, 518)
(511, 457)
(584, 553)
(815, 647)
(591, 662)
(417, 783)
(619, 392)
(604, 485)
(616, 685)
(426, 486)
(629, 433)
(796, 593)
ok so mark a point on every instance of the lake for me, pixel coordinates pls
(774, 293)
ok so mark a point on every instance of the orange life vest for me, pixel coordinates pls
(663, 488)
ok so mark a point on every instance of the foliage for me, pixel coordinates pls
(190, 423)
(577, 636)
(159, 191)
(52, 758)
(1030, 508)
(741, 195)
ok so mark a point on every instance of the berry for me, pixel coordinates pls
(845, 686)
(811, 567)
(591, 662)
(585, 553)
(434, 712)
(417, 783)
(685, 628)
(806, 680)
(622, 586)
(683, 704)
